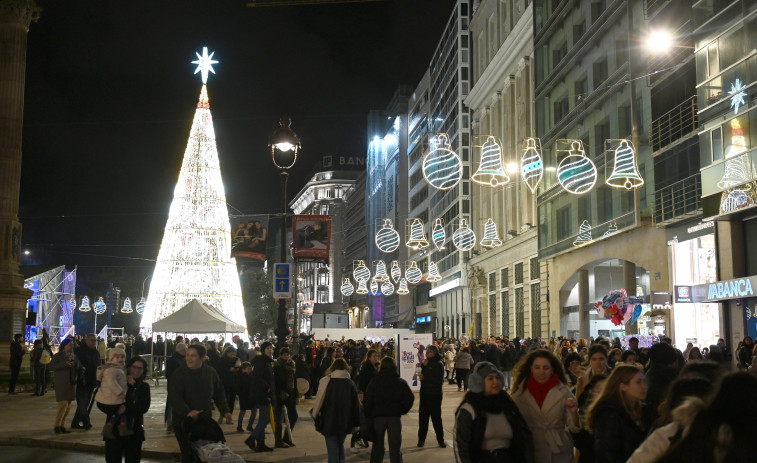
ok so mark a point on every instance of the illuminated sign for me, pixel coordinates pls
(731, 289)
(445, 287)
(426, 319)
(683, 294)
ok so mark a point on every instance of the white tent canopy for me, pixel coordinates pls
(196, 317)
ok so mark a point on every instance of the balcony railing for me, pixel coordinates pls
(675, 124)
(679, 200)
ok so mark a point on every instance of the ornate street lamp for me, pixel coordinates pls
(284, 144)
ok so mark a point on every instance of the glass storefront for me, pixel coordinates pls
(694, 263)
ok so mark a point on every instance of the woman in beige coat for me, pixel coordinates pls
(541, 392)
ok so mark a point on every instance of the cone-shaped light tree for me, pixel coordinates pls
(194, 261)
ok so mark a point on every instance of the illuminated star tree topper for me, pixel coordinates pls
(204, 64)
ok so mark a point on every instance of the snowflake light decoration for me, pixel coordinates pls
(738, 95)
(204, 64)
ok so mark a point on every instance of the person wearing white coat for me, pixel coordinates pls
(542, 395)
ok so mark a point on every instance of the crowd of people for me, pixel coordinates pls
(563, 400)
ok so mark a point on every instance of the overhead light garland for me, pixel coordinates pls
(396, 271)
(491, 236)
(374, 287)
(387, 238)
(491, 171)
(387, 288)
(464, 238)
(438, 235)
(84, 307)
(380, 273)
(141, 306)
(531, 164)
(624, 173)
(417, 238)
(442, 167)
(361, 272)
(127, 306)
(402, 289)
(347, 288)
(576, 173)
(433, 272)
(361, 287)
(413, 274)
(99, 306)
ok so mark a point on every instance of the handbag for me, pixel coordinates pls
(45, 357)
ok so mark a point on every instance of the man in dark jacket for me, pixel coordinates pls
(432, 377)
(17, 357)
(284, 370)
(172, 364)
(90, 359)
(492, 352)
(387, 398)
(193, 390)
(262, 394)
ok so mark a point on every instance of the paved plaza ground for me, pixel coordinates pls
(27, 421)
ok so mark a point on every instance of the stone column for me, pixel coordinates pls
(15, 17)
(629, 282)
(584, 316)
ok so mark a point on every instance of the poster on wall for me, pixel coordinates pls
(411, 353)
(312, 237)
(249, 237)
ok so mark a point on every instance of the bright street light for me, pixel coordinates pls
(661, 41)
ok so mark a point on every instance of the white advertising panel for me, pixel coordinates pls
(411, 352)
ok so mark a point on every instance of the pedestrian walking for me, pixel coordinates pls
(262, 394)
(244, 385)
(228, 365)
(41, 357)
(284, 371)
(489, 427)
(336, 409)
(17, 357)
(463, 365)
(386, 399)
(66, 368)
(90, 359)
(173, 363)
(432, 377)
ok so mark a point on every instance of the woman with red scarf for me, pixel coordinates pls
(540, 389)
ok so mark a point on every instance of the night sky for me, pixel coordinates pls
(110, 96)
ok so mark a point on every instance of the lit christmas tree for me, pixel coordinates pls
(194, 260)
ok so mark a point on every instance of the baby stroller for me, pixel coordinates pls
(208, 442)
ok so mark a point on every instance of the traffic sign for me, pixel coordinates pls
(281, 281)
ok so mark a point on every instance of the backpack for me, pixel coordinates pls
(45, 357)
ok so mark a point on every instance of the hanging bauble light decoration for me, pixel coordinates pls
(442, 167)
(380, 274)
(531, 164)
(84, 307)
(584, 233)
(361, 272)
(361, 287)
(413, 274)
(127, 306)
(433, 272)
(491, 237)
(417, 238)
(347, 288)
(491, 171)
(387, 238)
(464, 239)
(100, 307)
(374, 287)
(141, 305)
(624, 172)
(438, 235)
(402, 289)
(576, 173)
(387, 288)
(396, 271)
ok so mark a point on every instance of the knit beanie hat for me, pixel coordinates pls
(65, 342)
(265, 345)
(480, 372)
(181, 347)
(115, 351)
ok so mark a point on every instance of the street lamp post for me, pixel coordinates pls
(284, 145)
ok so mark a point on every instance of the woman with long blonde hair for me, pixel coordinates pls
(617, 417)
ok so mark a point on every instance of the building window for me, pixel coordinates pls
(324, 209)
(597, 8)
(564, 224)
(578, 32)
(520, 314)
(600, 73)
(581, 88)
(558, 54)
(504, 277)
(505, 298)
(492, 314)
(534, 267)
(519, 273)
(492, 281)
(536, 311)
(561, 109)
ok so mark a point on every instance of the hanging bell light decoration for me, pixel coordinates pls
(387, 288)
(584, 233)
(361, 272)
(141, 306)
(491, 237)
(438, 235)
(625, 174)
(464, 238)
(127, 306)
(413, 273)
(347, 288)
(576, 173)
(387, 238)
(374, 287)
(442, 166)
(84, 307)
(417, 238)
(433, 272)
(396, 271)
(99, 306)
(491, 171)
(402, 289)
(531, 164)
(611, 230)
(361, 287)
(380, 274)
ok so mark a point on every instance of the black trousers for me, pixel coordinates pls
(83, 397)
(187, 454)
(15, 369)
(392, 426)
(128, 449)
(430, 406)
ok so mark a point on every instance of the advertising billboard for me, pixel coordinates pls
(249, 237)
(312, 237)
